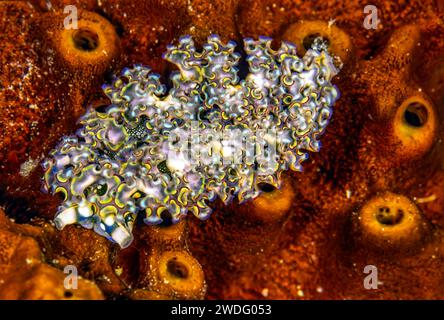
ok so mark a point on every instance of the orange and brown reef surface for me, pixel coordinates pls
(374, 195)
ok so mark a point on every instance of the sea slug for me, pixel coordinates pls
(162, 153)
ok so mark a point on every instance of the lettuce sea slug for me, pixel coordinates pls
(162, 153)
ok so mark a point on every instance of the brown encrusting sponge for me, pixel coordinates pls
(373, 195)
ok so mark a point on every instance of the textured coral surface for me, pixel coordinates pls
(373, 195)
